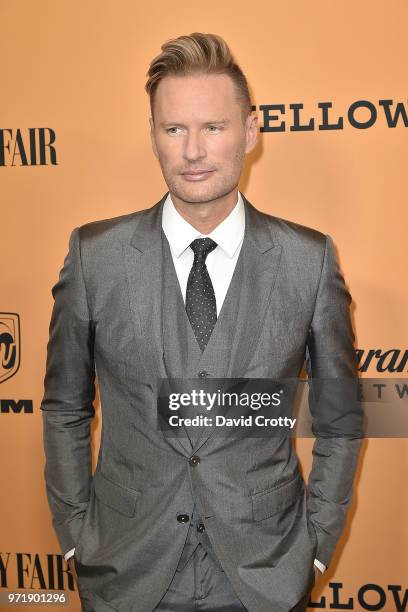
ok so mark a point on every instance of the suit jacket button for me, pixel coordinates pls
(200, 527)
(194, 460)
(203, 374)
(183, 518)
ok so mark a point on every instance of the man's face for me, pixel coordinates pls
(200, 136)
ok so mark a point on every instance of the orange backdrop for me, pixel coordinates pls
(77, 69)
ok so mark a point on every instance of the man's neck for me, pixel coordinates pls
(206, 216)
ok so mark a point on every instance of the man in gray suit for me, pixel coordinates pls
(201, 285)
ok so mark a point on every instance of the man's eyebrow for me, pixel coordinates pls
(179, 123)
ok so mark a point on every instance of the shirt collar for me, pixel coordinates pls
(180, 234)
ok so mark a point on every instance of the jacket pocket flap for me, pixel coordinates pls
(115, 495)
(270, 501)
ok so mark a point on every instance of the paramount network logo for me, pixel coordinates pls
(390, 360)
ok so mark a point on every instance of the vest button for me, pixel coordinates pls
(194, 460)
(203, 374)
(183, 518)
(200, 527)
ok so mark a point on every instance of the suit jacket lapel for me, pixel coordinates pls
(144, 269)
(143, 260)
(261, 259)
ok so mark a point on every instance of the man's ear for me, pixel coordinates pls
(152, 137)
(251, 130)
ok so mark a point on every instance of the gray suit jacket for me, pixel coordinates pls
(265, 524)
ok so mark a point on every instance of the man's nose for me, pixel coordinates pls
(194, 146)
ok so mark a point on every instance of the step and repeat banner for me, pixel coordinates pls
(329, 84)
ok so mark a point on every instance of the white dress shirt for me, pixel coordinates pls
(229, 236)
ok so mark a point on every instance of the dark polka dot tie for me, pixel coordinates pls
(201, 306)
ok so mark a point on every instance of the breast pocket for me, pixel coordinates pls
(273, 500)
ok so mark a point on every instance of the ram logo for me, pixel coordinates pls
(9, 345)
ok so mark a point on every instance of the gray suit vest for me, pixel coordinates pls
(184, 359)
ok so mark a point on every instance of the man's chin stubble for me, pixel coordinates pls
(200, 198)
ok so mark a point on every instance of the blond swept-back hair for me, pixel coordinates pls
(197, 53)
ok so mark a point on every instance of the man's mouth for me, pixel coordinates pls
(196, 175)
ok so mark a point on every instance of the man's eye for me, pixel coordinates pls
(172, 130)
(214, 128)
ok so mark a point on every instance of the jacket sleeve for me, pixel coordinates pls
(67, 404)
(336, 413)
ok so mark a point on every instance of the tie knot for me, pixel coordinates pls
(201, 248)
